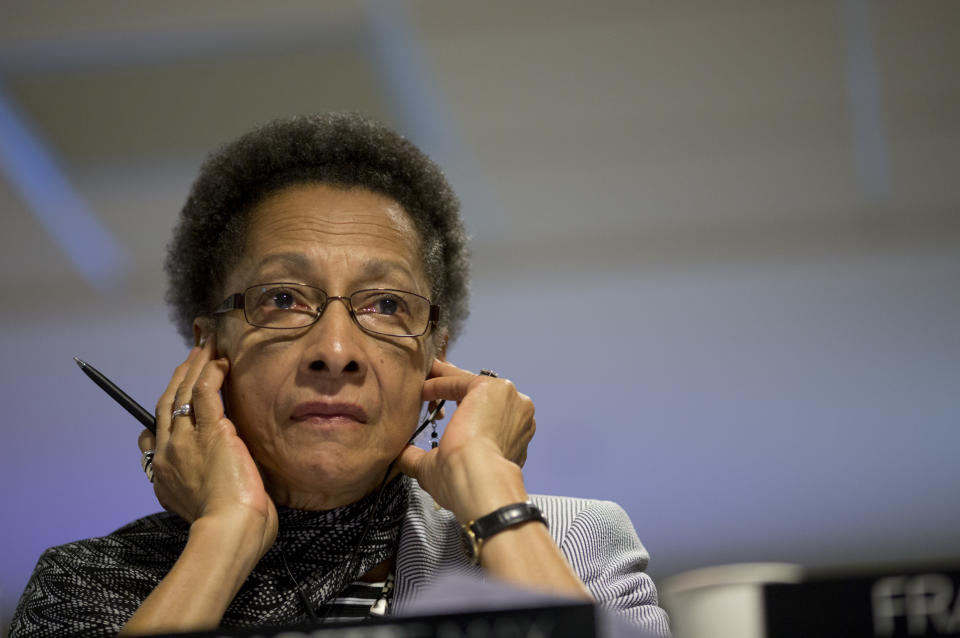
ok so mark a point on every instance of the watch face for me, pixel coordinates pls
(470, 545)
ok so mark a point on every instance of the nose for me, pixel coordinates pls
(334, 342)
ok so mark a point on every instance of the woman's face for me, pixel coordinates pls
(324, 409)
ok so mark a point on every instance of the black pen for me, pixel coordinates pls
(118, 395)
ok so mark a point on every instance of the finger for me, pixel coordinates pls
(455, 388)
(207, 404)
(146, 441)
(410, 460)
(165, 402)
(449, 388)
(185, 391)
(445, 368)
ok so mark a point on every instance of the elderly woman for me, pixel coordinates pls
(320, 269)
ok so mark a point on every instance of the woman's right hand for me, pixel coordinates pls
(202, 469)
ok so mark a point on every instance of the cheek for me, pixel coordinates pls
(237, 402)
(249, 402)
(256, 375)
(402, 380)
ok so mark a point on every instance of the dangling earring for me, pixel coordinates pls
(430, 420)
(434, 437)
(434, 442)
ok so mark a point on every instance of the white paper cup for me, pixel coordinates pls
(725, 601)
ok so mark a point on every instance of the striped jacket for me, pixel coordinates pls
(596, 537)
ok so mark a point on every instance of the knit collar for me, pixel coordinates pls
(325, 551)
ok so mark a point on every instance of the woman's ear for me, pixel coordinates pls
(441, 348)
(203, 328)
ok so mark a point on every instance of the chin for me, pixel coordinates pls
(327, 470)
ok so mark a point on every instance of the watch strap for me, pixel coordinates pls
(506, 517)
(477, 531)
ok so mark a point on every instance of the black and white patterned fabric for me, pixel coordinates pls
(91, 588)
(596, 537)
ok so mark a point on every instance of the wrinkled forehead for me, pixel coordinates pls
(308, 225)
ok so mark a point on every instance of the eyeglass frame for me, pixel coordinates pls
(235, 301)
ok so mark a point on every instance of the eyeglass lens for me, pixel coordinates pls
(391, 312)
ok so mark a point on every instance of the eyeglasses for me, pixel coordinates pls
(382, 311)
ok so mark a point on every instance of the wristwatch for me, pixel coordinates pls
(474, 533)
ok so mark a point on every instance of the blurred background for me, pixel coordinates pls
(717, 242)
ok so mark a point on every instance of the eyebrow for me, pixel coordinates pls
(371, 269)
(296, 261)
(379, 268)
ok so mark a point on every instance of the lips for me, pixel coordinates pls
(328, 410)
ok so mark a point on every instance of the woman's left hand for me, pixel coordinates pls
(476, 467)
